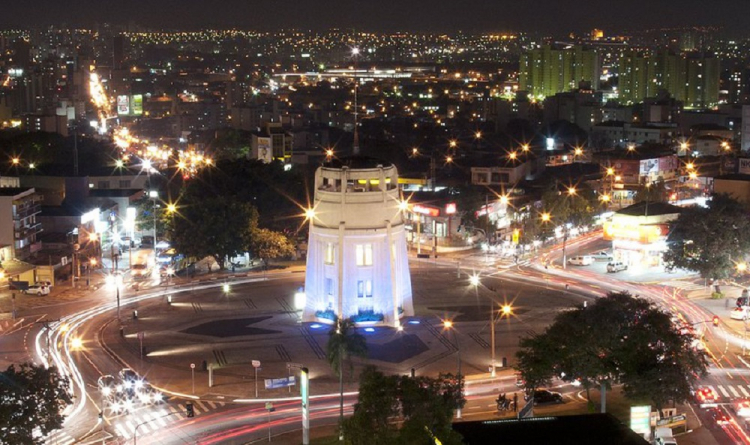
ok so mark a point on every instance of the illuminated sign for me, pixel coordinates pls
(90, 216)
(429, 211)
(640, 419)
(304, 382)
(744, 166)
(136, 102)
(634, 232)
(123, 105)
(450, 208)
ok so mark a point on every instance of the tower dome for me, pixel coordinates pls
(357, 263)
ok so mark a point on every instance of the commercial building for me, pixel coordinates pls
(549, 70)
(357, 263)
(639, 233)
(509, 172)
(271, 143)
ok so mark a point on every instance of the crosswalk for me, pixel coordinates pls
(730, 391)
(59, 437)
(156, 418)
(683, 285)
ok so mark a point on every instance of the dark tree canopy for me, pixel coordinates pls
(31, 397)
(425, 405)
(618, 339)
(711, 240)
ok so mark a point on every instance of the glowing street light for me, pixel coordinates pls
(504, 199)
(525, 147)
(578, 151)
(610, 171)
(329, 153)
(505, 311)
(631, 147)
(309, 213)
(76, 344)
(453, 143)
(474, 280)
(546, 217)
(513, 155)
(171, 208)
(572, 191)
(16, 161)
(478, 135)
(605, 198)
(741, 267)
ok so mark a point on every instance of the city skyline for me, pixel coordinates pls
(388, 15)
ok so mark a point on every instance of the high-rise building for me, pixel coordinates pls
(118, 52)
(357, 264)
(549, 70)
(693, 80)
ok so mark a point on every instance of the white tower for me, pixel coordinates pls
(357, 264)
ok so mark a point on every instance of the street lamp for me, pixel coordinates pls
(116, 281)
(505, 311)
(154, 195)
(92, 264)
(448, 325)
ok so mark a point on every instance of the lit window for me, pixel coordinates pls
(364, 289)
(364, 255)
(329, 255)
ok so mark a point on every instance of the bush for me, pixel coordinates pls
(717, 295)
(327, 314)
(367, 316)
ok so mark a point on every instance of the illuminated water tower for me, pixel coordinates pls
(357, 263)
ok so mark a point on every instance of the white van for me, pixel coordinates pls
(581, 260)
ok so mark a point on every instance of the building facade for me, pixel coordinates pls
(357, 263)
(694, 80)
(549, 70)
(19, 227)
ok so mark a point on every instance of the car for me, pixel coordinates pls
(616, 267)
(720, 416)
(37, 289)
(742, 408)
(581, 260)
(740, 313)
(706, 397)
(602, 255)
(543, 396)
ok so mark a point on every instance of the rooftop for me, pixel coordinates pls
(650, 209)
(356, 162)
(13, 191)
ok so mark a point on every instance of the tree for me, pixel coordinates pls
(618, 339)
(220, 227)
(425, 405)
(656, 192)
(344, 342)
(31, 397)
(267, 245)
(710, 240)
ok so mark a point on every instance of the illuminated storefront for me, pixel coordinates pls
(639, 233)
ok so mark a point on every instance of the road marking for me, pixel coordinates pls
(121, 429)
(203, 407)
(211, 404)
(744, 392)
(130, 426)
(723, 391)
(734, 391)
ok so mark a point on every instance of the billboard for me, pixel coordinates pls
(123, 105)
(136, 104)
(744, 167)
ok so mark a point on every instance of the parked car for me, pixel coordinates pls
(542, 396)
(740, 313)
(616, 267)
(37, 289)
(602, 255)
(581, 260)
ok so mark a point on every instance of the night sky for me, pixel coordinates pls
(386, 15)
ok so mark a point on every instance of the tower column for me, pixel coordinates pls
(392, 268)
(340, 265)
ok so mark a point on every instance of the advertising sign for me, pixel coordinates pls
(136, 104)
(123, 105)
(640, 419)
(429, 211)
(280, 383)
(744, 166)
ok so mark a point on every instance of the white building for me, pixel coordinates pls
(357, 263)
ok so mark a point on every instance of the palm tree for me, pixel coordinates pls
(344, 342)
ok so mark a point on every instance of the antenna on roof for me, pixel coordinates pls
(355, 53)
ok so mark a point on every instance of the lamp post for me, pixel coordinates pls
(153, 194)
(506, 310)
(447, 324)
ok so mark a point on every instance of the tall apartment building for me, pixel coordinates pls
(549, 70)
(19, 207)
(694, 80)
